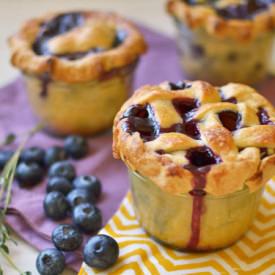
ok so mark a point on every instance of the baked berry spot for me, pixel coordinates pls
(180, 85)
(189, 128)
(121, 35)
(230, 120)
(78, 55)
(246, 10)
(58, 25)
(201, 156)
(264, 117)
(263, 152)
(62, 24)
(232, 100)
(141, 119)
(136, 111)
(185, 105)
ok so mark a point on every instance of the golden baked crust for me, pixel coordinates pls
(206, 16)
(233, 122)
(97, 30)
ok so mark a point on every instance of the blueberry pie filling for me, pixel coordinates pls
(180, 85)
(62, 24)
(58, 25)
(230, 120)
(140, 118)
(243, 10)
(232, 100)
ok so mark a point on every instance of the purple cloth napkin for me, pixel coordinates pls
(26, 213)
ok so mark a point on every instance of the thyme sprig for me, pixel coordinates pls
(6, 180)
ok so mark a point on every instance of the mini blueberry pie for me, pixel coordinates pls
(78, 67)
(198, 158)
(231, 38)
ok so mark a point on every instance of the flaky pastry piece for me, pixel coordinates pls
(242, 20)
(191, 135)
(76, 46)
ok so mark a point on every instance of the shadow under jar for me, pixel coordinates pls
(78, 68)
(222, 43)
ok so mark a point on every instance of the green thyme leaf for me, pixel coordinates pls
(5, 248)
(6, 180)
(10, 138)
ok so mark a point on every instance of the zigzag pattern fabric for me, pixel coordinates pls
(139, 254)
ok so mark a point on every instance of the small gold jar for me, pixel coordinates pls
(220, 60)
(224, 41)
(168, 218)
(83, 108)
(198, 157)
(78, 68)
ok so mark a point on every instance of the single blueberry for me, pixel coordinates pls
(87, 217)
(90, 183)
(62, 169)
(78, 196)
(54, 154)
(76, 146)
(66, 237)
(59, 184)
(101, 251)
(50, 262)
(5, 156)
(33, 155)
(55, 205)
(29, 174)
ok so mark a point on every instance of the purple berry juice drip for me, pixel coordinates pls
(201, 159)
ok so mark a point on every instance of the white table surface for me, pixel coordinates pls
(14, 12)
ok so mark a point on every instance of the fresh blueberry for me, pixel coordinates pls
(56, 206)
(66, 237)
(87, 217)
(59, 184)
(101, 251)
(5, 156)
(62, 169)
(33, 155)
(76, 147)
(54, 154)
(50, 262)
(78, 196)
(29, 174)
(90, 183)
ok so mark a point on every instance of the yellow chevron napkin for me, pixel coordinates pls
(253, 254)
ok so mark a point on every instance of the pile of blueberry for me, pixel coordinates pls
(66, 194)
(101, 251)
